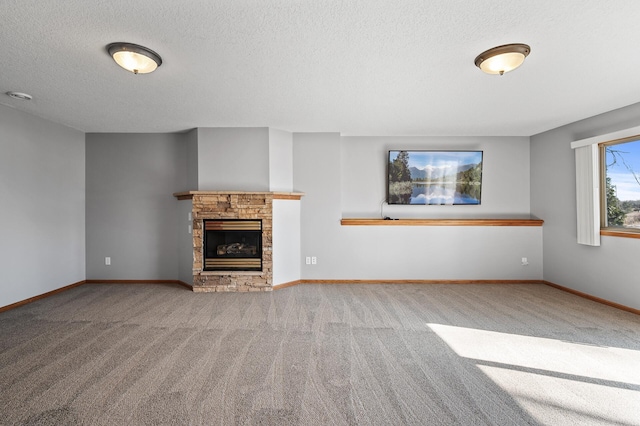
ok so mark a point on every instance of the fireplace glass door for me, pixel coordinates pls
(233, 245)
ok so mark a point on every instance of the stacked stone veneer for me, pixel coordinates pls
(246, 205)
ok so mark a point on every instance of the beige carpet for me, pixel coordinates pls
(319, 354)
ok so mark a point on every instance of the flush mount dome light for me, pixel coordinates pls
(501, 59)
(20, 96)
(134, 58)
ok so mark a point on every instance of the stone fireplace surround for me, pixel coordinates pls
(233, 205)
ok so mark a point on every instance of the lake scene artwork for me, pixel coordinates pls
(434, 177)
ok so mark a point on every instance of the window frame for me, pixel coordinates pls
(605, 229)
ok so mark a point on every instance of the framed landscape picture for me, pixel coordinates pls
(434, 177)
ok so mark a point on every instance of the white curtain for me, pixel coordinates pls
(588, 194)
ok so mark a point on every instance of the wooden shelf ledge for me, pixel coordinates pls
(188, 195)
(441, 222)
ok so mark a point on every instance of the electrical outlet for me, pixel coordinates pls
(307, 260)
(107, 261)
(525, 262)
(314, 260)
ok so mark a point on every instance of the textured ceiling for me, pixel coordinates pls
(360, 67)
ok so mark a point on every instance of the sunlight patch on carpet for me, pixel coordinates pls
(543, 372)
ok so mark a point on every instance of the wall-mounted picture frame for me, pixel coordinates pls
(431, 177)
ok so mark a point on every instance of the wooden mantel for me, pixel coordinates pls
(188, 195)
(441, 222)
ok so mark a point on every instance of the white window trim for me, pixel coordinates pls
(620, 134)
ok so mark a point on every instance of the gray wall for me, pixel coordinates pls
(505, 176)
(131, 212)
(345, 177)
(316, 172)
(131, 215)
(42, 193)
(235, 159)
(191, 140)
(609, 271)
(280, 160)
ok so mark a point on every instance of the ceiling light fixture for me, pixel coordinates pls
(501, 59)
(21, 96)
(134, 58)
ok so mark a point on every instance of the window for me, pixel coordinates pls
(620, 185)
(592, 185)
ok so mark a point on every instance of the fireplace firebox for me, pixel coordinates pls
(232, 245)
